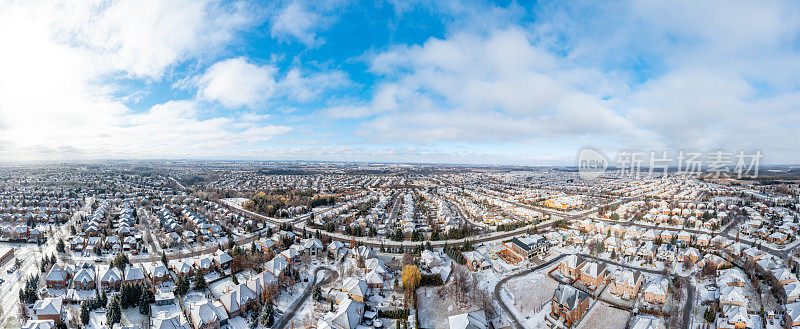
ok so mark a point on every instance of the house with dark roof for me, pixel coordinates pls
(529, 246)
(569, 304)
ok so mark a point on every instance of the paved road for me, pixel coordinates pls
(687, 309)
(299, 301)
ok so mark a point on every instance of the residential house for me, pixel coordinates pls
(593, 274)
(656, 291)
(569, 304)
(208, 314)
(470, 320)
(570, 266)
(49, 308)
(626, 283)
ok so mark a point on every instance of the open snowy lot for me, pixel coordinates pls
(602, 315)
(530, 292)
(132, 317)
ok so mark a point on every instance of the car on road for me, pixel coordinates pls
(98, 260)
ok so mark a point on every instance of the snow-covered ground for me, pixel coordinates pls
(97, 319)
(132, 317)
(531, 292)
(288, 296)
(602, 315)
(529, 320)
(435, 311)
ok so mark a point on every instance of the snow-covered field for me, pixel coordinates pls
(288, 296)
(601, 315)
(530, 292)
(132, 317)
(529, 320)
(434, 312)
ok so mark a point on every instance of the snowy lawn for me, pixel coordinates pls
(530, 292)
(132, 317)
(434, 311)
(602, 315)
(288, 296)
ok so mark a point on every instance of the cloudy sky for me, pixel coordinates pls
(400, 81)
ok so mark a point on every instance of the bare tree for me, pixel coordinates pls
(485, 301)
(408, 259)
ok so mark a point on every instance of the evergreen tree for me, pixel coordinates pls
(199, 281)
(84, 313)
(60, 247)
(267, 315)
(709, 315)
(317, 293)
(144, 299)
(181, 284)
(114, 314)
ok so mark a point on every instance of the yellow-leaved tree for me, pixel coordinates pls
(411, 277)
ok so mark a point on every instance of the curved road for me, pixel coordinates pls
(290, 312)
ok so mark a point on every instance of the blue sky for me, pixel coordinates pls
(400, 81)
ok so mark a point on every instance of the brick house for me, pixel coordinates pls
(593, 274)
(568, 304)
(570, 266)
(626, 284)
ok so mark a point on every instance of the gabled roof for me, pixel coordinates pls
(206, 312)
(732, 294)
(39, 324)
(574, 261)
(628, 277)
(793, 311)
(223, 257)
(657, 287)
(373, 277)
(133, 273)
(84, 275)
(112, 274)
(48, 306)
(356, 287)
(593, 269)
(567, 295)
(239, 296)
(57, 274)
(276, 265)
(348, 315)
(471, 320)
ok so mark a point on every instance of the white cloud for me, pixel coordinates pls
(54, 99)
(634, 74)
(296, 21)
(145, 38)
(467, 87)
(235, 83)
